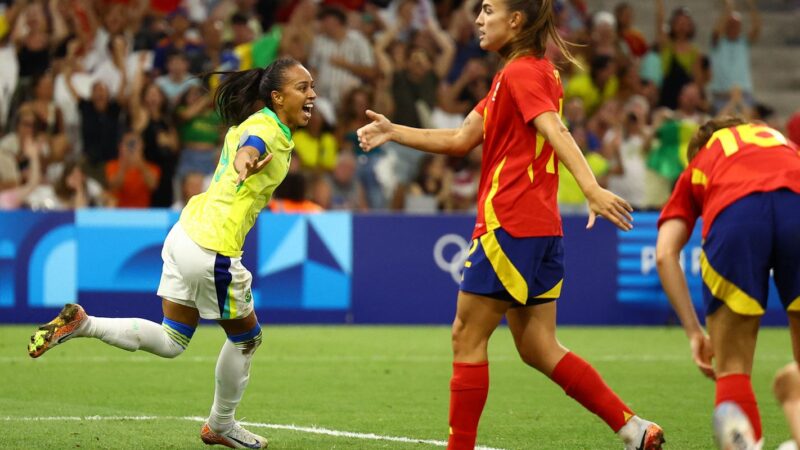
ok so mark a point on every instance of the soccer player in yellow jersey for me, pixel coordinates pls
(203, 275)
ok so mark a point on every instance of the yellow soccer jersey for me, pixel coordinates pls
(220, 218)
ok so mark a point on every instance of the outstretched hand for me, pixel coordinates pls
(605, 203)
(376, 133)
(250, 167)
(702, 354)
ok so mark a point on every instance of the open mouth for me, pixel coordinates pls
(307, 109)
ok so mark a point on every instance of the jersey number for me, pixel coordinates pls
(749, 133)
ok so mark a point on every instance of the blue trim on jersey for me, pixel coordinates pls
(244, 337)
(181, 328)
(257, 143)
(222, 279)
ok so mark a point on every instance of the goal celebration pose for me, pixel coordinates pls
(743, 179)
(515, 264)
(203, 275)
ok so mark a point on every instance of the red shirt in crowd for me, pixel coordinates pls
(735, 162)
(519, 173)
(134, 192)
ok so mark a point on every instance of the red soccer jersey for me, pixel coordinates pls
(519, 171)
(735, 162)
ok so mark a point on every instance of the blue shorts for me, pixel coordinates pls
(755, 234)
(525, 271)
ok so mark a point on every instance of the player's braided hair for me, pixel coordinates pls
(241, 93)
(702, 135)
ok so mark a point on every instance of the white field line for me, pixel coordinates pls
(312, 430)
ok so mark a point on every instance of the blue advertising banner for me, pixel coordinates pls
(323, 268)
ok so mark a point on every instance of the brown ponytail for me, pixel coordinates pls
(539, 26)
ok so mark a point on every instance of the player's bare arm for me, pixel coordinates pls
(672, 237)
(601, 201)
(453, 141)
(247, 163)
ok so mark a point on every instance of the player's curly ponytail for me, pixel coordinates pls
(242, 93)
(539, 26)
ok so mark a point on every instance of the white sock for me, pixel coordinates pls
(232, 374)
(632, 430)
(134, 334)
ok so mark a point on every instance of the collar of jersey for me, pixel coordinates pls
(286, 131)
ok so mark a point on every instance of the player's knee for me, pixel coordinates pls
(786, 385)
(179, 335)
(247, 342)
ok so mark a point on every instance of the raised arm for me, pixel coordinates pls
(32, 148)
(661, 34)
(454, 141)
(119, 55)
(601, 201)
(446, 46)
(672, 237)
(755, 22)
(719, 26)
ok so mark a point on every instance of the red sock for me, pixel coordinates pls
(738, 389)
(468, 390)
(582, 382)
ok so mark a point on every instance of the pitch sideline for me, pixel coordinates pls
(312, 430)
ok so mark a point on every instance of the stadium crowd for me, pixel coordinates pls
(103, 103)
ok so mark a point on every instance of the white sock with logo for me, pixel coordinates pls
(136, 334)
(232, 374)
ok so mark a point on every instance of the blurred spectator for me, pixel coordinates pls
(455, 100)
(464, 191)
(680, 57)
(574, 113)
(181, 41)
(346, 191)
(177, 79)
(297, 36)
(150, 118)
(597, 85)
(633, 38)
(13, 144)
(14, 190)
(131, 179)
(730, 56)
(341, 57)
(320, 190)
(316, 144)
(630, 82)
(430, 191)
(100, 122)
(414, 73)
(199, 128)
(34, 40)
(192, 183)
(352, 117)
(604, 38)
(570, 197)
(290, 196)
(667, 153)
(624, 147)
(72, 190)
(464, 36)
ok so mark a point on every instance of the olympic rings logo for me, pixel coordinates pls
(455, 263)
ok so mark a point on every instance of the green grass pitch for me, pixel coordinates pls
(389, 381)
